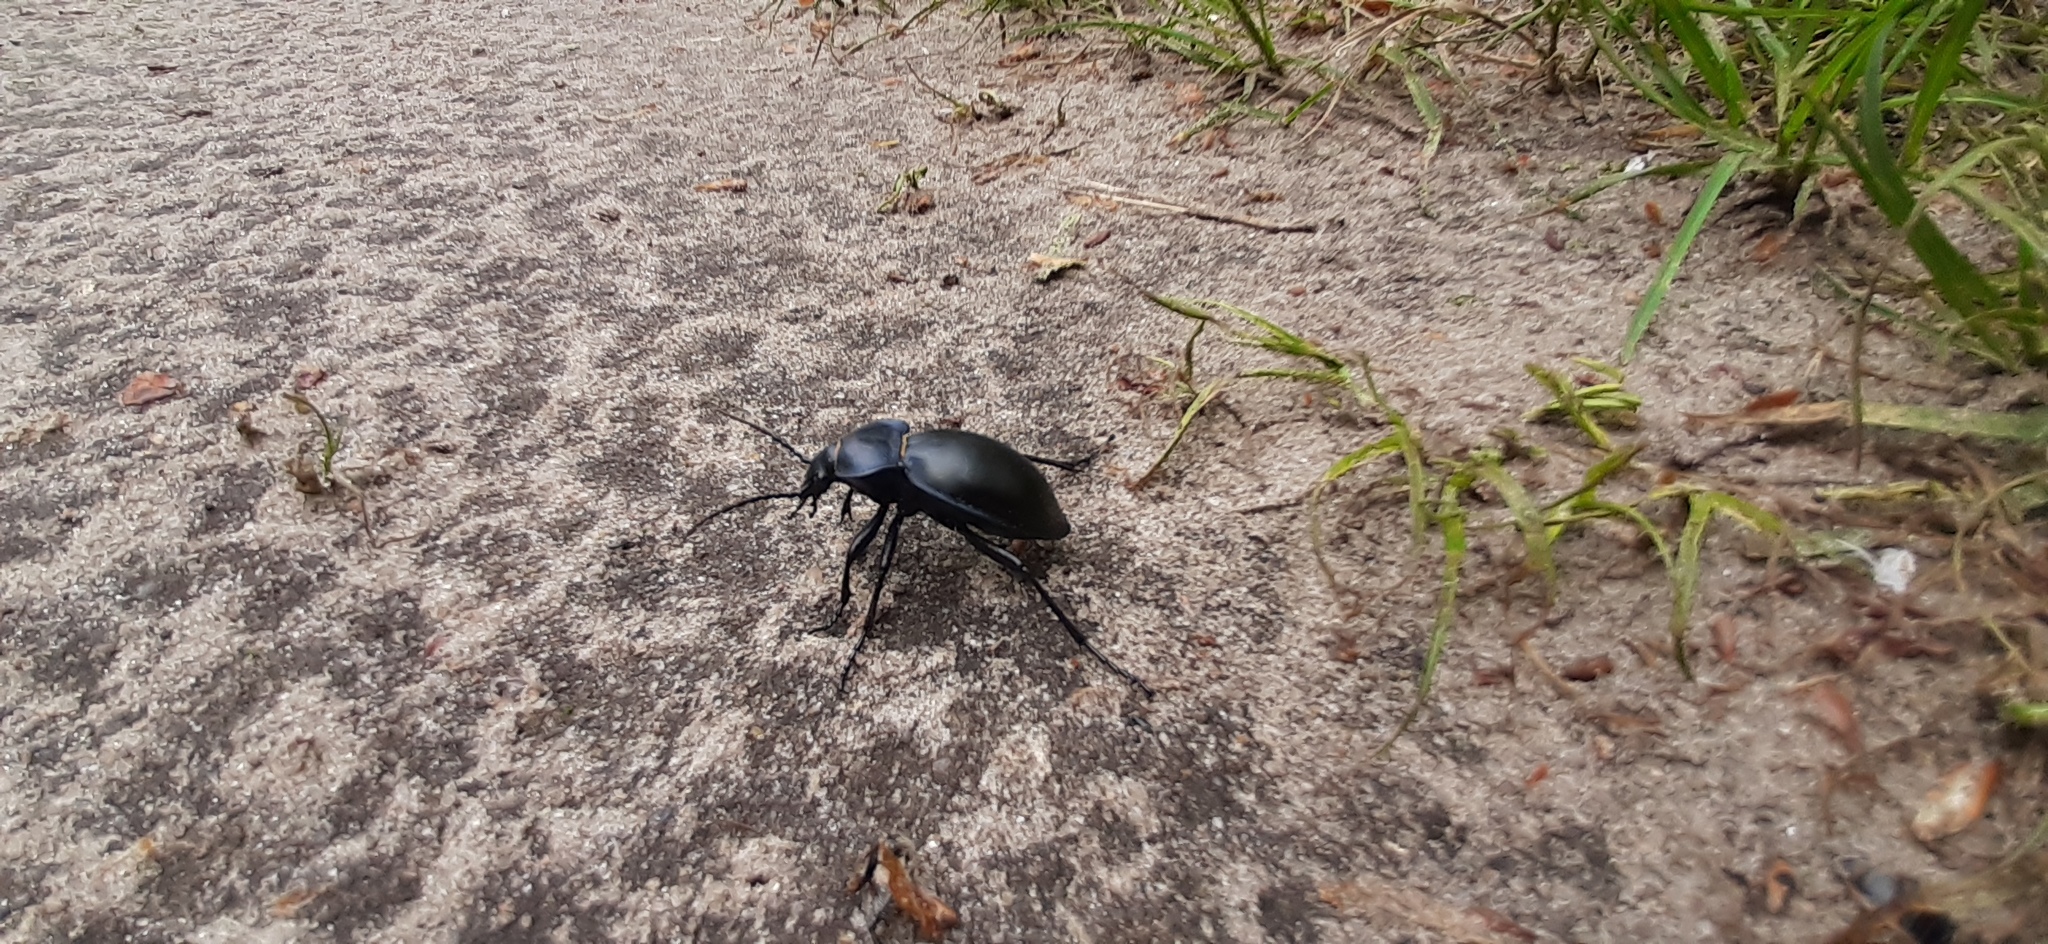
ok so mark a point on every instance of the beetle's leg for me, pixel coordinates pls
(1016, 568)
(855, 553)
(1071, 465)
(846, 507)
(874, 595)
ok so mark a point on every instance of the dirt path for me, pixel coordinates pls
(526, 712)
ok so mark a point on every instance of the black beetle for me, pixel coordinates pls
(976, 486)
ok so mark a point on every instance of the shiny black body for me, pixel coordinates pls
(976, 486)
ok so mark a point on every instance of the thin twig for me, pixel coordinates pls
(1856, 375)
(1120, 195)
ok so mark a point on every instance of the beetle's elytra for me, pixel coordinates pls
(970, 483)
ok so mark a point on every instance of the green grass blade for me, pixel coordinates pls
(1939, 72)
(1710, 57)
(1258, 32)
(1610, 181)
(1528, 518)
(1450, 519)
(1961, 285)
(1383, 446)
(1703, 206)
(1701, 507)
(1187, 419)
(1685, 576)
(2027, 426)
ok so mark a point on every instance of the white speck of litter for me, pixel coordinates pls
(1893, 569)
(1639, 163)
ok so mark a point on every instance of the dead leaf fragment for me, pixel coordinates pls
(726, 185)
(1553, 239)
(1778, 885)
(1669, 134)
(1770, 245)
(1049, 267)
(924, 909)
(288, 904)
(308, 377)
(150, 387)
(1956, 801)
(1833, 710)
(1726, 633)
(1024, 52)
(1587, 670)
(1775, 400)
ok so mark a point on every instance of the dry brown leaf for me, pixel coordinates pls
(1553, 239)
(932, 916)
(150, 387)
(1833, 710)
(1957, 800)
(1670, 134)
(1778, 885)
(288, 904)
(1049, 267)
(1770, 245)
(727, 185)
(1587, 670)
(1775, 400)
(1024, 52)
(1621, 723)
(1379, 901)
(1653, 213)
(308, 377)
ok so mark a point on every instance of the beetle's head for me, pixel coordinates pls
(819, 478)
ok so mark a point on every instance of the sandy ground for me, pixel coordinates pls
(526, 711)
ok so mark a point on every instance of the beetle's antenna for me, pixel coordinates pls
(765, 431)
(735, 506)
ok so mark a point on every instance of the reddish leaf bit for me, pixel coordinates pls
(150, 387)
(1775, 400)
(1654, 213)
(1553, 239)
(1769, 246)
(1833, 710)
(924, 909)
(1778, 885)
(1540, 774)
(1489, 675)
(1587, 670)
(1021, 54)
(1957, 800)
(727, 185)
(308, 378)
(1500, 923)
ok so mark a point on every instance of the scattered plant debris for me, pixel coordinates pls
(932, 917)
(1957, 800)
(907, 195)
(725, 185)
(150, 387)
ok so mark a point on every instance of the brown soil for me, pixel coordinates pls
(526, 711)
